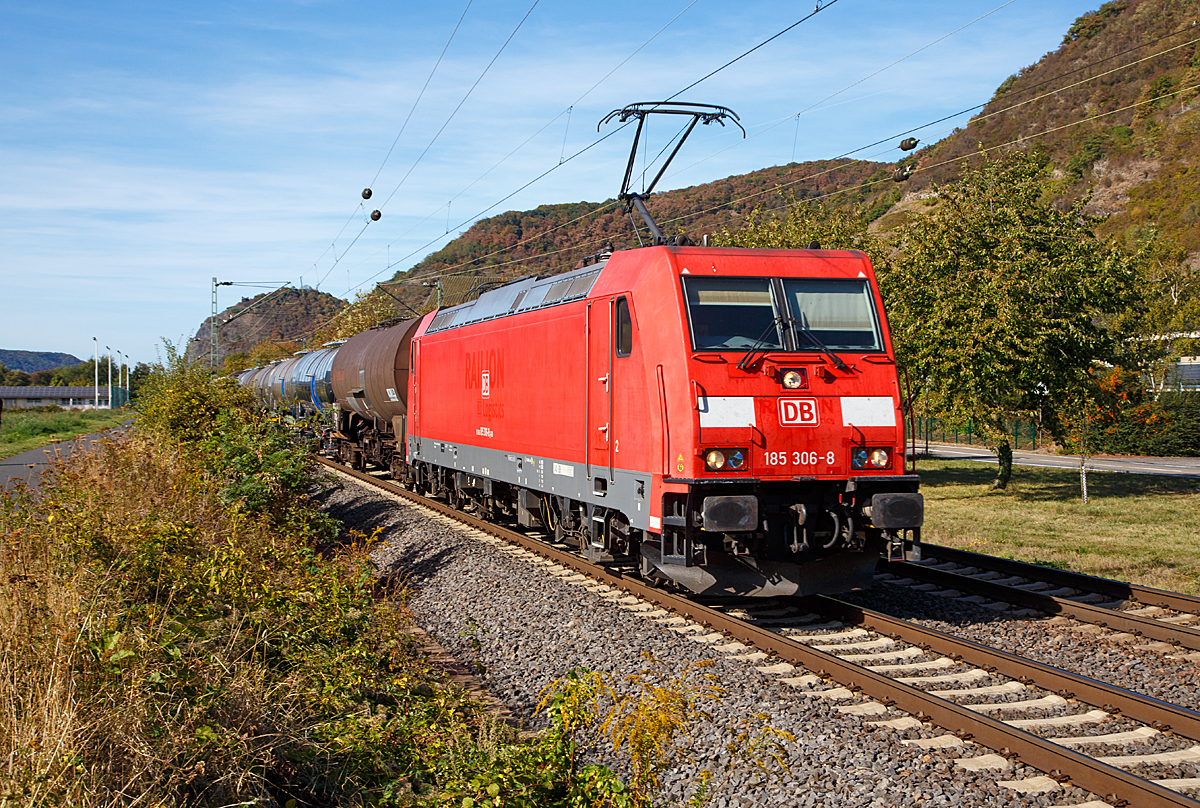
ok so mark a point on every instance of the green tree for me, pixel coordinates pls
(997, 300)
(1164, 322)
(805, 223)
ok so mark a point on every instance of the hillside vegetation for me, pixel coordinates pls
(30, 361)
(273, 318)
(1116, 108)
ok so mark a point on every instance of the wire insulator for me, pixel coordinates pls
(366, 193)
(375, 215)
(908, 144)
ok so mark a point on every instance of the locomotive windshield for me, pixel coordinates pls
(727, 314)
(840, 314)
(731, 313)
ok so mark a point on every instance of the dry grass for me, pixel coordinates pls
(1136, 528)
(108, 694)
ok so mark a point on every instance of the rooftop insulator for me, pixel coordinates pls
(366, 193)
(908, 144)
(902, 173)
(375, 215)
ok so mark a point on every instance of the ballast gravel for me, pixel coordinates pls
(524, 629)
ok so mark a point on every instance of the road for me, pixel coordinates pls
(27, 467)
(1170, 466)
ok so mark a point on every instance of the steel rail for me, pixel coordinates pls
(1105, 586)
(1186, 636)
(1100, 778)
(1112, 699)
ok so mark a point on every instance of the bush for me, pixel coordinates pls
(1180, 434)
(181, 400)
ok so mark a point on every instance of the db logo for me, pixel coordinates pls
(485, 384)
(798, 412)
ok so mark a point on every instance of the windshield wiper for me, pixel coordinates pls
(808, 332)
(748, 358)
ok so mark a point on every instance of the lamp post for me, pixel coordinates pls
(120, 362)
(96, 364)
(109, 375)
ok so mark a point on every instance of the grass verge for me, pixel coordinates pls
(22, 431)
(1137, 528)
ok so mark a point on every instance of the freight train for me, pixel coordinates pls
(730, 419)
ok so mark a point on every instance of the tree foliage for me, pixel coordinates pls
(367, 311)
(802, 224)
(996, 299)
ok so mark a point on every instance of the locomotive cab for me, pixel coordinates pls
(788, 477)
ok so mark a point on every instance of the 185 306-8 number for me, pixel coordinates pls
(798, 458)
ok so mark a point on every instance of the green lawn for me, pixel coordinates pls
(21, 431)
(1136, 528)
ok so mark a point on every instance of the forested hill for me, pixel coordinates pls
(32, 361)
(284, 317)
(1116, 107)
(552, 238)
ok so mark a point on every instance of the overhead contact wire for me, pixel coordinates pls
(677, 94)
(460, 103)
(549, 123)
(421, 94)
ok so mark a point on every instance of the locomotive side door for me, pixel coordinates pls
(414, 361)
(599, 382)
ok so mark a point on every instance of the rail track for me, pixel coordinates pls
(1139, 611)
(867, 654)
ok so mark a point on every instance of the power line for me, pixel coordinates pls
(819, 9)
(524, 143)
(421, 94)
(894, 137)
(736, 59)
(850, 86)
(460, 103)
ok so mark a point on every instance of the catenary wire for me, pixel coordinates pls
(850, 86)
(421, 94)
(960, 113)
(421, 156)
(893, 137)
(748, 52)
(549, 123)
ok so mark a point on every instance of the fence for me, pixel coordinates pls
(1021, 434)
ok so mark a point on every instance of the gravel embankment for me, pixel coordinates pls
(525, 629)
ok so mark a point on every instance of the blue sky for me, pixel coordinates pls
(146, 147)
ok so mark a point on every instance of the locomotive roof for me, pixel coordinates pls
(521, 295)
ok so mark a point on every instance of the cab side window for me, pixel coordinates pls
(624, 335)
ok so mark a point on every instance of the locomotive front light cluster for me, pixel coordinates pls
(732, 459)
(794, 380)
(867, 457)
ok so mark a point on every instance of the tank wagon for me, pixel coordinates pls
(300, 383)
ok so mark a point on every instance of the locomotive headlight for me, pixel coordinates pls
(871, 457)
(792, 380)
(715, 460)
(736, 459)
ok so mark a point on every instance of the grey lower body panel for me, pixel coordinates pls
(625, 491)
